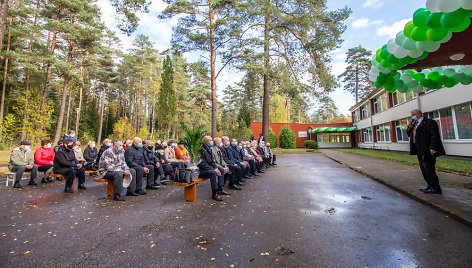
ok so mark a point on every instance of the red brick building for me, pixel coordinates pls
(325, 139)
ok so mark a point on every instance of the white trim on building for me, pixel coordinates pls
(450, 107)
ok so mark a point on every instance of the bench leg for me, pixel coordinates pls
(190, 193)
(8, 179)
(110, 188)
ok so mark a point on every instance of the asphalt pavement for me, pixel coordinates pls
(308, 211)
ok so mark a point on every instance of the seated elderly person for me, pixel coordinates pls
(90, 156)
(233, 149)
(21, 161)
(218, 157)
(105, 145)
(165, 165)
(78, 153)
(43, 158)
(134, 157)
(113, 167)
(272, 156)
(261, 152)
(181, 153)
(58, 146)
(232, 164)
(66, 164)
(127, 144)
(170, 154)
(246, 156)
(253, 151)
(151, 160)
(208, 168)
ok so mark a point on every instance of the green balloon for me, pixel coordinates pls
(381, 79)
(389, 87)
(404, 89)
(385, 63)
(418, 34)
(434, 20)
(419, 77)
(391, 58)
(423, 56)
(384, 53)
(433, 76)
(436, 34)
(449, 20)
(426, 83)
(378, 58)
(377, 84)
(442, 79)
(399, 84)
(408, 28)
(410, 72)
(420, 17)
(450, 82)
(398, 65)
(461, 26)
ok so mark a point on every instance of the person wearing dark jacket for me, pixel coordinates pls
(151, 160)
(58, 146)
(66, 164)
(208, 168)
(246, 169)
(70, 136)
(231, 162)
(166, 166)
(106, 144)
(134, 157)
(90, 156)
(425, 143)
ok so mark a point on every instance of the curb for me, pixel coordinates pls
(448, 212)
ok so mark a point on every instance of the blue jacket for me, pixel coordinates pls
(228, 155)
(67, 137)
(234, 151)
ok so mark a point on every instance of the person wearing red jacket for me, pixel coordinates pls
(44, 157)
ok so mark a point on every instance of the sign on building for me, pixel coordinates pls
(302, 134)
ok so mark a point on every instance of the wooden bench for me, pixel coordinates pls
(190, 190)
(110, 187)
(87, 172)
(10, 177)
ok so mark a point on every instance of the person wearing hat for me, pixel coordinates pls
(21, 161)
(113, 167)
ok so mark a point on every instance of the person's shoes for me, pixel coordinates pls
(17, 185)
(424, 189)
(165, 180)
(141, 192)
(163, 183)
(216, 197)
(45, 180)
(239, 183)
(68, 190)
(432, 191)
(153, 187)
(32, 182)
(255, 175)
(274, 164)
(223, 192)
(58, 179)
(50, 180)
(235, 187)
(82, 186)
(118, 197)
(261, 171)
(242, 180)
(130, 193)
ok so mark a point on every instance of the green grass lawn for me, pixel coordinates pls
(292, 151)
(451, 165)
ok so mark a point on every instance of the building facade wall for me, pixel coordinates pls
(429, 103)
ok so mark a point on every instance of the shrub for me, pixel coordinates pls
(287, 138)
(2, 146)
(193, 138)
(309, 144)
(272, 138)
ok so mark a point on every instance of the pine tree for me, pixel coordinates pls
(167, 100)
(356, 76)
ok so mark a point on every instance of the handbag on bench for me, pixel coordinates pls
(184, 175)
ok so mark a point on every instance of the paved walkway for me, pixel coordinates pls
(456, 199)
(308, 211)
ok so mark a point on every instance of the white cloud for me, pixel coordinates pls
(373, 3)
(391, 31)
(360, 23)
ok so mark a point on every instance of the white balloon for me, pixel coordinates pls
(400, 38)
(466, 4)
(400, 53)
(449, 72)
(391, 46)
(408, 44)
(415, 53)
(433, 5)
(417, 89)
(438, 69)
(425, 71)
(428, 46)
(406, 77)
(448, 6)
(466, 69)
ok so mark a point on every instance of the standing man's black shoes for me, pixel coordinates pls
(432, 191)
(81, 186)
(68, 190)
(17, 185)
(235, 187)
(32, 182)
(130, 193)
(118, 197)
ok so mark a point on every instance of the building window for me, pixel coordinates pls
(384, 101)
(334, 137)
(401, 127)
(464, 121)
(377, 105)
(447, 124)
(383, 133)
(367, 133)
(356, 117)
(409, 96)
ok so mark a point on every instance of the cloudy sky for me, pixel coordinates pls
(371, 25)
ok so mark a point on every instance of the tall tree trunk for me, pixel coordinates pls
(4, 6)
(68, 110)
(60, 120)
(5, 71)
(77, 120)
(266, 98)
(100, 127)
(212, 71)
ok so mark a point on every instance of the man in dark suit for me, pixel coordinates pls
(261, 139)
(208, 168)
(425, 143)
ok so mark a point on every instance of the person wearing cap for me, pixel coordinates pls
(21, 161)
(113, 167)
(66, 164)
(44, 157)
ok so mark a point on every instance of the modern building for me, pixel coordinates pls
(382, 117)
(334, 135)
